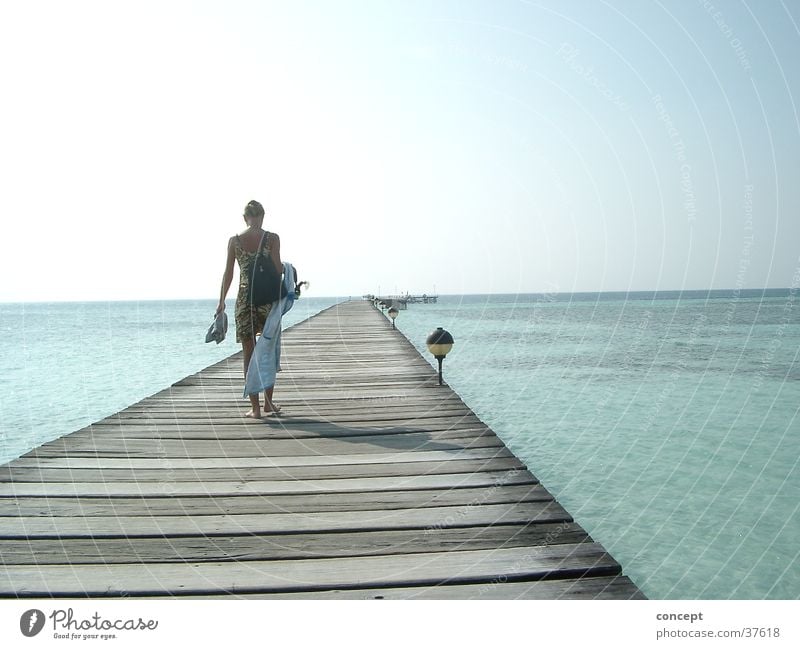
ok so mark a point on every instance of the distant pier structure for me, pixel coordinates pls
(401, 301)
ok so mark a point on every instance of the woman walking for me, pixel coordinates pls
(244, 248)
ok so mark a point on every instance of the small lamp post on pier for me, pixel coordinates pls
(440, 342)
(393, 312)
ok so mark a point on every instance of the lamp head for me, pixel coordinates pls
(439, 342)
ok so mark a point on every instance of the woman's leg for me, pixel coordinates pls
(248, 345)
(269, 405)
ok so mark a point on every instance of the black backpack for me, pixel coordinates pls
(266, 284)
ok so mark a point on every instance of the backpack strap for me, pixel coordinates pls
(261, 243)
(258, 255)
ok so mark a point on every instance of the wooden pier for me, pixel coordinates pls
(401, 301)
(374, 483)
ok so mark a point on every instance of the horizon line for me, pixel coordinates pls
(361, 296)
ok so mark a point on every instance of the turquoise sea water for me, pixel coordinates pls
(667, 424)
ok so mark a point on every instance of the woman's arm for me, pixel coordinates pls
(227, 276)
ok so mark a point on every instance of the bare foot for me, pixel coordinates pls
(253, 415)
(272, 407)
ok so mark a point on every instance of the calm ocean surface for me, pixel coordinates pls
(667, 423)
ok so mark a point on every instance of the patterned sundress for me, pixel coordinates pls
(249, 319)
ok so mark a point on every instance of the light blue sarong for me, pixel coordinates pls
(265, 362)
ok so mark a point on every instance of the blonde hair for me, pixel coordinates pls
(254, 211)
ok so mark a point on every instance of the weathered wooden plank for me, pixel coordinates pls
(434, 568)
(20, 475)
(275, 427)
(361, 422)
(417, 416)
(170, 488)
(190, 525)
(71, 463)
(379, 407)
(274, 424)
(263, 447)
(270, 547)
(616, 587)
(269, 504)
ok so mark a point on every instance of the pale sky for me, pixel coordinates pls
(471, 146)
